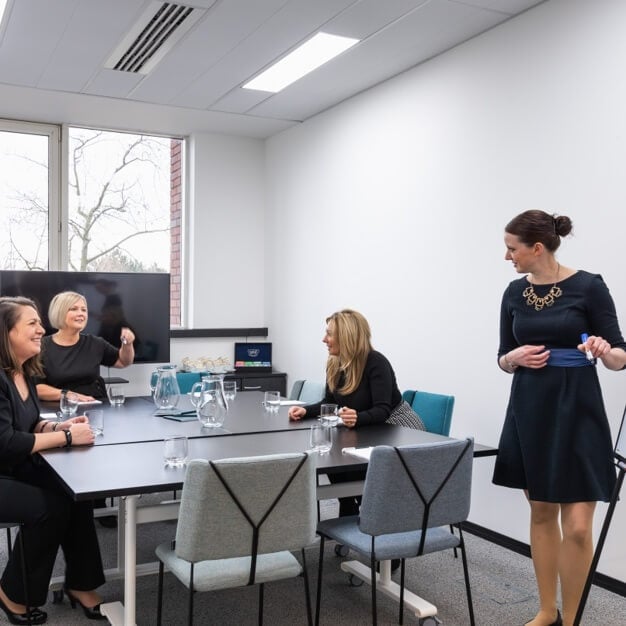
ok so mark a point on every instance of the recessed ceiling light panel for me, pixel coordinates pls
(318, 50)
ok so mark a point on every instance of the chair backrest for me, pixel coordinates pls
(186, 380)
(308, 391)
(435, 409)
(424, 485)
(244, 506)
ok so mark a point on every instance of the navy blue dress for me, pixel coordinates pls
(556, 441)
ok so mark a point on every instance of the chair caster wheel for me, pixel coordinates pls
(354, 581)
(57, 596)
(341, 550)
(431, 620)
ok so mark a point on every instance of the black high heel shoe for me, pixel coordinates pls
(33, 616)
(91, 612)
(557, 622)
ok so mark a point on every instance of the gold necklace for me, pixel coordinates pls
(532, 299)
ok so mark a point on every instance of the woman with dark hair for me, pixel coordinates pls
(555, 324)
(361, 381)
(29, 492)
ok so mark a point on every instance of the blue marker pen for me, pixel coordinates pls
(584, 338)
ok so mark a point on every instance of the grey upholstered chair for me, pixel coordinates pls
(239, 520)
(410, 497)
(308, 391)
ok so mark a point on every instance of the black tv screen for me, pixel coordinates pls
(139, 301)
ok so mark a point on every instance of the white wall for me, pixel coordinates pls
(394, 203)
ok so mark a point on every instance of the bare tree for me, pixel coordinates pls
(112, 201)
(109, 208)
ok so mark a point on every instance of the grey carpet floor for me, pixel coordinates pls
(502, 584)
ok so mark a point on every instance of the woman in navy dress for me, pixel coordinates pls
(556, 441)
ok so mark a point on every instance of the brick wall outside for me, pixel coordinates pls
(176, 212)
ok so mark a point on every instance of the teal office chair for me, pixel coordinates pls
(186, 380)
(308, 391)
(435, 409)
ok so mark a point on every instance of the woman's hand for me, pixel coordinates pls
(78, 419)
(127, 336)
(81, 433)
(598, 346)
(296, 413)
(83, 398)
(348, 416)
(533, 357)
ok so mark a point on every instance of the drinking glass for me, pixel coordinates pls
(271, 401)
(116, 395)
(328, 414)
(321, 438)
(96, 421)
(68, 405)
(175, 451)
(230, 389)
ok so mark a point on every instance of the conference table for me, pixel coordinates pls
(127, 461)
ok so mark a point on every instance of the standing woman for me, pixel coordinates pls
(29, 492)
(361, 381)
(556, 441)
(72, 360)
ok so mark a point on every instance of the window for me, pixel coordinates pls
(123, 208)
(29, 183)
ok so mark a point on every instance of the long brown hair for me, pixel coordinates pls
(11, 309)
(353, 336)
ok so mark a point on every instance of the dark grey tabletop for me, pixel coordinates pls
(135, 420)
(134, 468)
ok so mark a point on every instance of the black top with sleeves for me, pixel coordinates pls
(77, 367)
(374, 399)
(17, 420)
(556, 441)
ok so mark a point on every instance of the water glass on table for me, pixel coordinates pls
(175, 451)
(321, 438)
(116, 395)
(96, 421)
(329, 414)
(230, 389)
(271, 401)
(68, 404)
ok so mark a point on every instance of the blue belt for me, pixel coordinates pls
(568, 357)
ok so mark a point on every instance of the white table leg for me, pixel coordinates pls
(117, 614)
(418, 606)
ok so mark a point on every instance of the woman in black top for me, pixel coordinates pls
(71, 359)
(29, 492)
(359, 380)
(556, 442)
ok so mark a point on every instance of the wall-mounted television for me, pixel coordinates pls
(114, 299)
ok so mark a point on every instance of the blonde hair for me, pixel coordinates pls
(353, 336)
(60, 305)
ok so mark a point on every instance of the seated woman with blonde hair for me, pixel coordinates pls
(361, 382)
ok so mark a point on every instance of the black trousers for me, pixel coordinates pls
(349, 505)
(51, 519)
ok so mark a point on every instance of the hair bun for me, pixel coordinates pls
(562, 225)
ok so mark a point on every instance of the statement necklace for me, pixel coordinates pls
(532, 299)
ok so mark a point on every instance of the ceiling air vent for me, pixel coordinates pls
(153, 36)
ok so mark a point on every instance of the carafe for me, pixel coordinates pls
(166, 391)
(210, 401)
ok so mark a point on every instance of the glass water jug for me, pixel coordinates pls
(165, 389)
(210, 402)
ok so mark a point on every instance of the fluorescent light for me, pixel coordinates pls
(318, 50)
